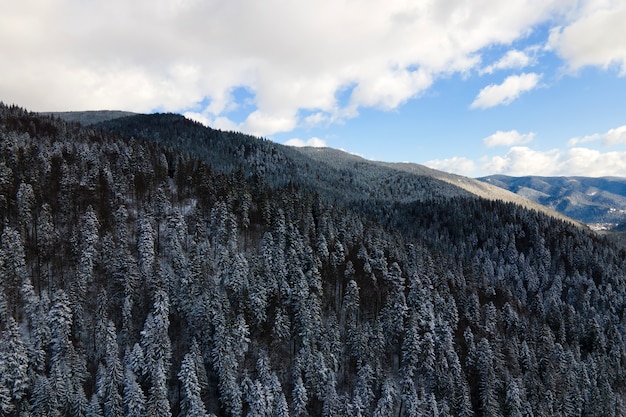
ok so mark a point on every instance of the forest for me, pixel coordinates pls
(151, 266)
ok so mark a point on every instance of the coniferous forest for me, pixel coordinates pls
(150, 266)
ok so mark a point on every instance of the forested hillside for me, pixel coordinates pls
(140, 279)
(278, 165)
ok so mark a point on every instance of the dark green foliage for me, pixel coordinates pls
(225, 275)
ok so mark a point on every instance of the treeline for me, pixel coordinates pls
(139, 280)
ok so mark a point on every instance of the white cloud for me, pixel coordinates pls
(261, 123)
(590, 138)
(198, 117)
(513, 59)
(391, 89)
(519, 161)
(595, 38)
(294, 57)
(222, 123)
(505, 93)
(456, 165)
(313, 142)
(612, 137)
(615, 136)
(508, 138)
(317, 119)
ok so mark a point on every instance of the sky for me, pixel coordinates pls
(474, 87)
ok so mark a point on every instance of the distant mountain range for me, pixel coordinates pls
(594, 201)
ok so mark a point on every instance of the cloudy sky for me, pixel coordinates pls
(475, 87)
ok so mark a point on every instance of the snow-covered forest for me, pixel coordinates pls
(150, 266)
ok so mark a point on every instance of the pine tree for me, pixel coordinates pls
(351, 306)
(43, 398)
(25, 206)
(134, 400)
(363, 391)
(40, 335)
(281, 409)
(158, 403)
(155, 340)
(191, 404)
(79, 406)
(513, 399)
(395, 309)
(387, 401)
(13, 269)
(410, 402)
(157, 349)
(47, 237)
(411, 347)
(60, 320)
(94, 409)
(88, 254)
(13, 363)
(224, 356)
(110, 379)
(254, 395)
(488, 380)
(299, 398)
(6, 404)
(332, 402)
(145, 247)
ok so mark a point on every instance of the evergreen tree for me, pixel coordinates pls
(488, 380)
(88, 254)
(25, 207)
(79, 405)
(134, 400)
(43, 398)
(387, 401)
(94, 409)
(13, 272)
(191, 403)
(145, 247)
(299, 398)
(47, 237)
(14, 367)
(224, 356)
(513, 400)
(363, 391)
(111, 377)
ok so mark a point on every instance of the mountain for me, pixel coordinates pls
(279, 165)
(150, 266)
(589, 200)
(335, 174)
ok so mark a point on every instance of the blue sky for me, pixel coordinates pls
(474, 87)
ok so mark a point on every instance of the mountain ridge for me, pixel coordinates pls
(345, 161)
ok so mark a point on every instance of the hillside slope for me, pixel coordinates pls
(377, 173)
